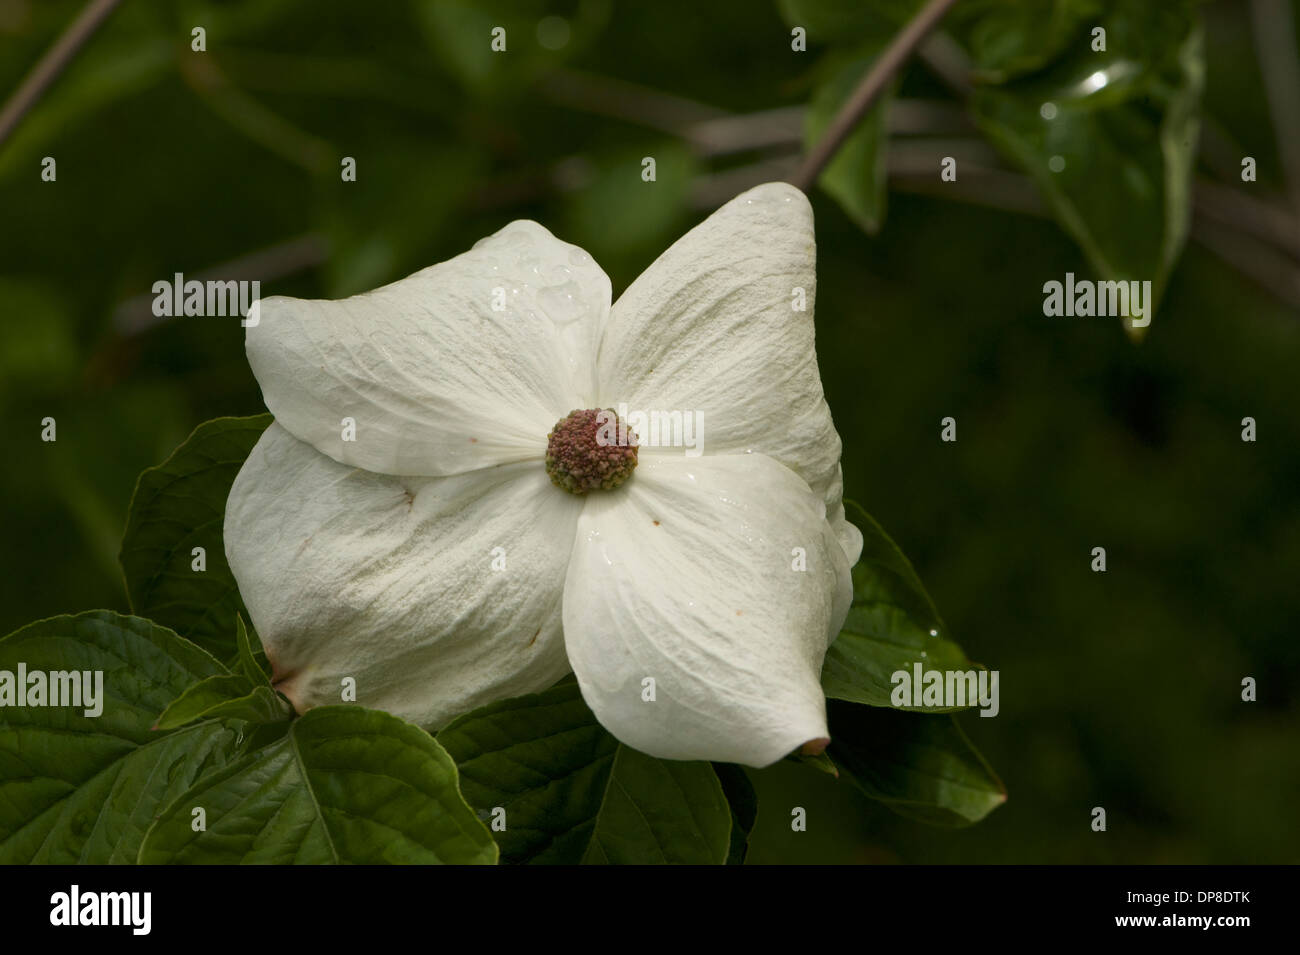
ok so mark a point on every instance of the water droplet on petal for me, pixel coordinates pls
(562, 303)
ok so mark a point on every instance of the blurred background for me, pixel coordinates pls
(1120, 689)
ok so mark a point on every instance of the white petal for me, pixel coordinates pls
(438, 381)
(390, 581)
(711, 329)
(686, 575)
(850, 537)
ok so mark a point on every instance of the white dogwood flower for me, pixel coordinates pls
(426, 516)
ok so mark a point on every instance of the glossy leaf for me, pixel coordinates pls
(180, 505)
(743, 801)
(572, 793)
(345, 785)
(660, 811)
(892, 625)
(857, 175)
(230, 696)
(821, 762)
(1010, 38)
(1110, 138)
(250, 660)
(83, 789)
(920, 766)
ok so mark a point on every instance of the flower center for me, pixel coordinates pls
(590, 449)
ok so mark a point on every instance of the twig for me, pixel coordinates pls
(1254, 259)
(54, 61)
(1243, 212)
(945, 58)
(869, 90)
(735, 134)
(135, 315)
(1280, 70)
(629, 102)
(1247, 235)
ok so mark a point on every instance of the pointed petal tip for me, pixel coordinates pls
(777, 189)
(777, 194)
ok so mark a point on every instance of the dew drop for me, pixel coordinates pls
(561, 303)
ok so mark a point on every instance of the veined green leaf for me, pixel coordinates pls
(921, 766)
(344, 785)
(572, 793)
(250, 661)
(178, 506)
(743, 800)
(229, 696)
(1010, 38)
(83, 789)
(891, 627)
(1110, 138)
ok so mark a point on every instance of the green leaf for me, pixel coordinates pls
(261, 705)
(249, 661)
(203, 696)
(743, 801)
(545, 760)
(83, 789)
(624, 220)
(821, 762)
(661, 811)
(892, 625)
(572, 793)
(229, 696)
(245, 695)
(180, 505)
(1110, 137)
(1010, 38)
(857, 176)
(345, 785)
(920, 766)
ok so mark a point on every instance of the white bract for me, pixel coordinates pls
(428, 556)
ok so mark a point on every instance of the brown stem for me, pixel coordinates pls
(54, 61)
(1280, 70)
(869, 90)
